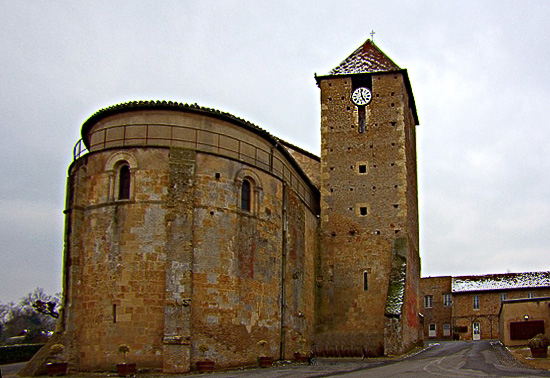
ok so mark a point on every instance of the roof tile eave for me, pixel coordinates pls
(177, 106)
(495, 282)
(163, 105)
(368, 58)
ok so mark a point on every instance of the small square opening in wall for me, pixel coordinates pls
(362, 168)
(363, 211)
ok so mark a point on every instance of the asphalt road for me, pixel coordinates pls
(454, 359)
(10, 370)
(448, 359)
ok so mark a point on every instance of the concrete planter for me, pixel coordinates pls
(539, 352)
(205, 366)
(265, 362)
(300, 357)
(124, 370)
(56, 368)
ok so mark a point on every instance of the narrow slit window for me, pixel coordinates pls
(476, 302)
(124, 182)
(362, 119)
(246, 195)
(428, 301)
(447, 300)
(365, 280)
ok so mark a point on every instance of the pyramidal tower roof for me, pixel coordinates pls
(367, 58)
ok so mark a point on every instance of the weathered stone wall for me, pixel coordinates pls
(237, 270)
(367, 190)
(119, 292)
(117, 264)
(350, 245)
(412, 308)
(178, 271)
(178, 223)
(302, 243)
(310, 164)
(396, 96)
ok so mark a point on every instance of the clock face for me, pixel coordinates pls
(361, 96)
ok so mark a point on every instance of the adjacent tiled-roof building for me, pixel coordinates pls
(467, 307)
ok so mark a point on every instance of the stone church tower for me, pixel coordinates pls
(369, 268)
(192, 235)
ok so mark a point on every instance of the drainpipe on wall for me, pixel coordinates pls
(283, 274)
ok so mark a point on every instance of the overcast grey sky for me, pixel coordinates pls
(479, 71)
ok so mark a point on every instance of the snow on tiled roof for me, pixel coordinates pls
(367, 58)
(501, 281)
(396, 292)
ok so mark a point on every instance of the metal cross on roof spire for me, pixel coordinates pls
(372, 32)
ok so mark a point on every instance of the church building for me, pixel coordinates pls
(193, 235)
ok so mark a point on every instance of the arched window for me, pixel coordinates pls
(124, 182)
(248, 189)
(121, 168)
(246, 195)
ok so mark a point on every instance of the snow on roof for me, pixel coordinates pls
(501, 281)
(396, 291)
(367, 58)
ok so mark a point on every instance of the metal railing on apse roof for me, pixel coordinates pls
(213, 142)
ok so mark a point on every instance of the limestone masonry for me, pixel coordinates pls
(193, 235)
